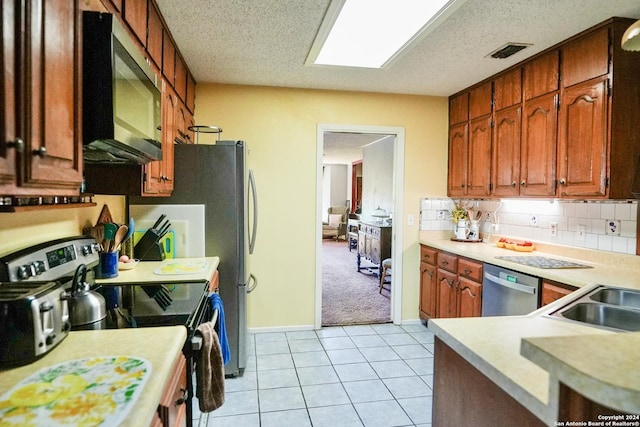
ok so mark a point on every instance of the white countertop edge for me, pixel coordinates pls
(537, 407)
(604, 391)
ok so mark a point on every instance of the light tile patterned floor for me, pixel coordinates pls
(366, 375)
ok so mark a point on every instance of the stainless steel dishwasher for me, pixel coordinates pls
(506, 292)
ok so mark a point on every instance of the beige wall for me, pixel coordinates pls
(280, 127)
(22, 229)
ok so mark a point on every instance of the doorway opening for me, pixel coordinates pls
(385, 188)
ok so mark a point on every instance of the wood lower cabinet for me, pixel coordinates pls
(552, 291)
(450, 286)
(172, 409)
(41, 149)
(428, 283)
(462, 396)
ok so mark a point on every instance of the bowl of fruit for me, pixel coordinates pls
(525, 246)
(126, 263)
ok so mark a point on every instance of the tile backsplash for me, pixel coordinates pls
(603, 225)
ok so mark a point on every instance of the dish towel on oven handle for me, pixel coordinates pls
(209, 370)
(216, 304)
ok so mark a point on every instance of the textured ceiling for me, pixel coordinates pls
(266, 43)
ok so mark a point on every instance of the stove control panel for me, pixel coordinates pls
(49, 260)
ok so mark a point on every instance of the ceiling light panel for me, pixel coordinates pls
(369, 33)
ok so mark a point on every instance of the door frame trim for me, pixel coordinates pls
(398, 203)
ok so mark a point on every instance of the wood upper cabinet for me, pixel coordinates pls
(41, 97)
(582, 140)
(134, 13)
(505, 163)
(480, 99)
(458, 155)
(158, 175)
(191, 93)
(541, 75)
(181, 78)
(507, 89)
(154, 35)
(538, 148)
(459, 109)
(585, 58)
(479, 160)
(168, 58)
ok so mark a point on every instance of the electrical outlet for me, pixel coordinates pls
(581, 232)
(441, 215)
(612, 227)
(553, 229)
(487, 216)
(533, 221)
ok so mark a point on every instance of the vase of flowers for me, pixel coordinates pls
(459, 217)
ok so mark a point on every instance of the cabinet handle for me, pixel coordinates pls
(513, 184)
(183, 399)
(466, 271)
(523, 183)
(461, 185)
(563, 181)
(444, 262)
(41, 152)
(18, 144)
(430, 273)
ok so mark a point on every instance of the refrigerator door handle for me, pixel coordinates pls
(251, 287)
(254, 193)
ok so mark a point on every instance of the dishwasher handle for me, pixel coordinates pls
(515, 286)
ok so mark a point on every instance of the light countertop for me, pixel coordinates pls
(144, 272)
(528, 355)
(161, 346)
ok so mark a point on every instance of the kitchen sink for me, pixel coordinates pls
(616, 296)
(604, 307)
(609, 316)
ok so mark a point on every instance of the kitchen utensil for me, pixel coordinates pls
(158, 221)
(110, 230)
(87, 309)
(123, 230)
(160, 294)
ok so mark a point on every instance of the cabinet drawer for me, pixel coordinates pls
(447, 262)
(470, 269)
(554, 291)
(428, 255)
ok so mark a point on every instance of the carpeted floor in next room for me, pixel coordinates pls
(350, 297)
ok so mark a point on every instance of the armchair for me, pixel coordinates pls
(337, 225)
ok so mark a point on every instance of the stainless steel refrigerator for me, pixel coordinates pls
(217, 176)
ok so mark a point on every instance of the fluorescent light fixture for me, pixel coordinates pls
(371, 33)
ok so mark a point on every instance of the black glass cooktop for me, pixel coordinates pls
(543, 262)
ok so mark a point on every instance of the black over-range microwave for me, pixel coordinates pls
(120, 96)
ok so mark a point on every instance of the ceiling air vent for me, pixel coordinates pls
(508, 50)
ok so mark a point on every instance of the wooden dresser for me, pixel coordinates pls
(374, 244)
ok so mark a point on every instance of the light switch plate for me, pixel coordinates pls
(581, 232)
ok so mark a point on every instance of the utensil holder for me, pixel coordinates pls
(107, 267)
(149, 248)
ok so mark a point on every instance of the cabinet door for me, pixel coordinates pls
(458, 154)
(585, 58)
(507, 89)
(181, 78)
(375, 250)
(159, 174)
(191, 93)
(479, 170)
(446, 294)
(49, 123)
(428, 286)
(469, 298)
(582, 140)
(538, 156)
(505, 165)
(168, 58)
(172, 409)
(154, 35)
(459, 109)
(7, 94)
(135, 15)
(480, 98)
(541, 75)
